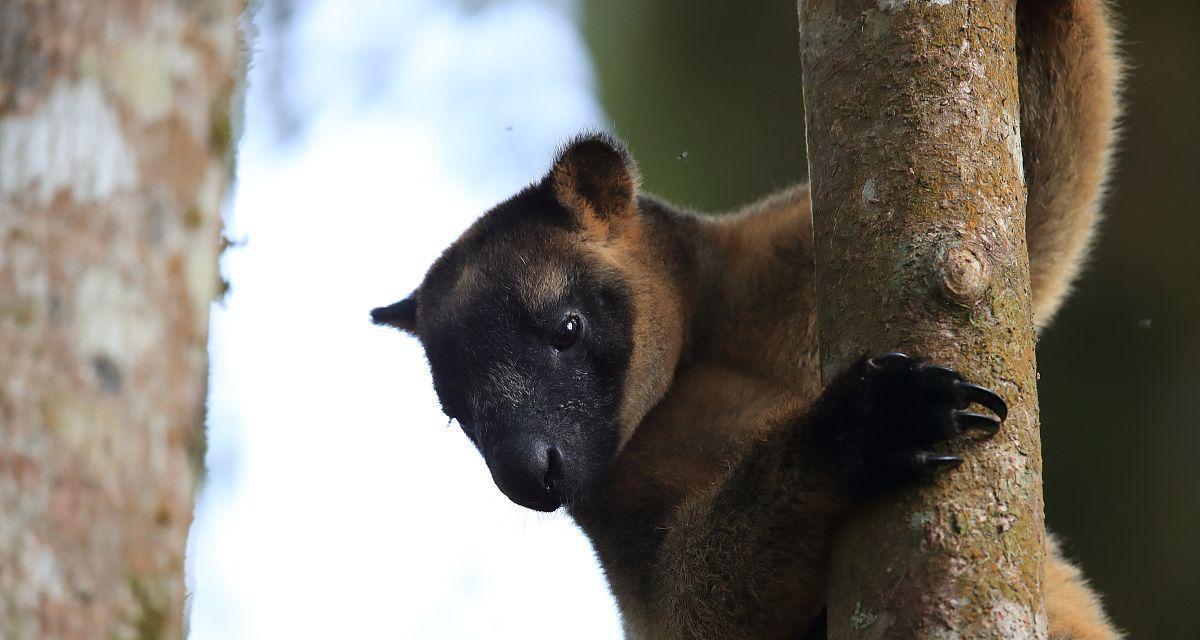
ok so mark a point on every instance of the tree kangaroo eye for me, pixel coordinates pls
(568, 332)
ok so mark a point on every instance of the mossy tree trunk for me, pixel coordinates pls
(918, 194)
(114, 156)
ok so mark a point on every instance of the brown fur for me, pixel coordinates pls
(596, 181)
(1074, 610)
(1070, 79)
(714, 518)
(702, 528)
(757, 563)
(657, 329)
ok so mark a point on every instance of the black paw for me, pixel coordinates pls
(885, 414)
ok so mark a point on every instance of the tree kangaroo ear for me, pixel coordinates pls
(596, 176)
(401, 315)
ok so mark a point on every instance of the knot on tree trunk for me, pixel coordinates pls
(964, 276)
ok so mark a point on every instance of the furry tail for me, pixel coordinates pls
(1073, 609)
(1070, 77)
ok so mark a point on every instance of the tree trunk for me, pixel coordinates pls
(114, 156)
(918, 193)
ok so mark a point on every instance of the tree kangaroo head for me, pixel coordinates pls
(549, 331)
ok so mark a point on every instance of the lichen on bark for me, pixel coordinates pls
(918, 196)
(111, 180)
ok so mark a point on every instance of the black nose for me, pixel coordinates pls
(530, 473)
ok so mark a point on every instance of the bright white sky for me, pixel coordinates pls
(338, 503)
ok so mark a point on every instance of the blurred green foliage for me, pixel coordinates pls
(1120, 368)
(716, 80)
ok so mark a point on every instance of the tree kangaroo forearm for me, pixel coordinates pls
(750, 555)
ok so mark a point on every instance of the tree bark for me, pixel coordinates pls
(115, 151)
(918, 194)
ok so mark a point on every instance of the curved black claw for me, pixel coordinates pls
(971, 420)
(984, 396)
(886, 414)
(905, 467)
(884, 359)
(946, 371)
(933, 462)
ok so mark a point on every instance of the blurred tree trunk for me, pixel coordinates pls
(115, 151)
(918, 194)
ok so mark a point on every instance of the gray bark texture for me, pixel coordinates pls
(918, 195)
(115, 152)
